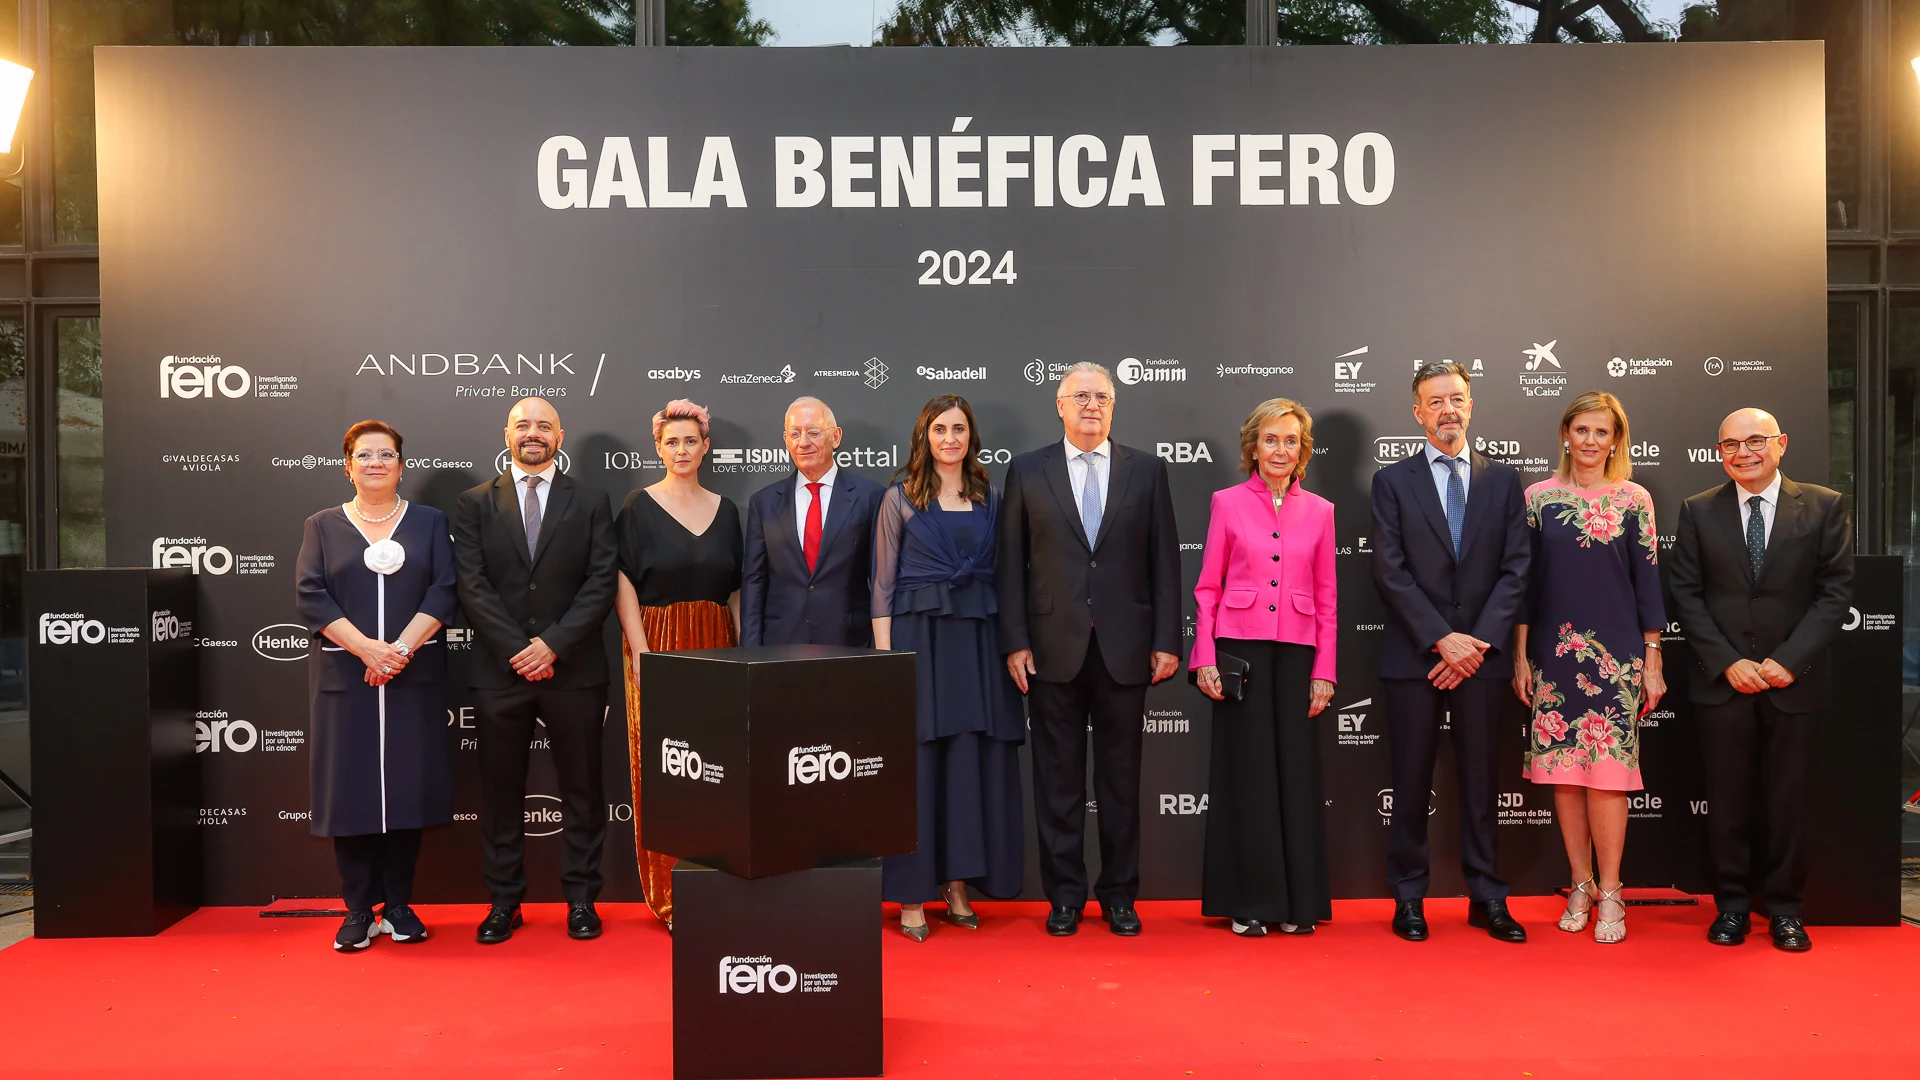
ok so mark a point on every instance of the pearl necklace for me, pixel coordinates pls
(357, 512)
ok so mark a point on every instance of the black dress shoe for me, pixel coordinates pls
(1121, 920)
(1410, 920)
(1730, 928)
(583, 923)
(499, 924)
(1063, 921)
(1493, 917)
(1790, 934)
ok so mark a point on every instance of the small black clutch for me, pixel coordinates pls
(1233, 675)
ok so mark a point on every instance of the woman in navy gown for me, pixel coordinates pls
(374, 584)
(933, 594)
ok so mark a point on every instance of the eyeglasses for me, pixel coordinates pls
(812, 434)
(368, 457)
(1755, 443)
(1085, 398)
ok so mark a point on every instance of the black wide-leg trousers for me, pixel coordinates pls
(376, 869)
(1060, 715)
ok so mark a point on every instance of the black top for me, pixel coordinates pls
(960, 524)
(669, 565)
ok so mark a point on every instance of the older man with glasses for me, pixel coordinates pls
(810, 543)
(1088, 576)
(1762, 573)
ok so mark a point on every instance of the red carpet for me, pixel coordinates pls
(227, 993)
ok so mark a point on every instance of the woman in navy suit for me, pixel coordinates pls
(374, 583)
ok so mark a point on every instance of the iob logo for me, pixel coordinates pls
(812, 764)
(71, 628)
(677, 759)
(756, 974)
(202, 376)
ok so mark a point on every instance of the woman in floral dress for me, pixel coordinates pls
(1589, 649)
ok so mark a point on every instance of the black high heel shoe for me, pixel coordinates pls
(916, 933)
(970, 921)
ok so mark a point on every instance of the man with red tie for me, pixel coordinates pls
(810, 544)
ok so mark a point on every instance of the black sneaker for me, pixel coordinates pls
(357, 932)
(402, 925)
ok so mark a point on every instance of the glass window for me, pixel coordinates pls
(14, 761)
(82, 510)
(79, 25)
(1846, 344)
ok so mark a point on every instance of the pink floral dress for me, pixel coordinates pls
(1593, 592)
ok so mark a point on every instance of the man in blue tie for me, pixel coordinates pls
(1088, 577)
(1450, 560)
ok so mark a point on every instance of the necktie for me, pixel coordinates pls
(530, 512)
(811, 544)
(1456, 502)
(1756, 535)
(1090, 498)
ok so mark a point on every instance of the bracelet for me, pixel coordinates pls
(401, 648)
(1651, 644)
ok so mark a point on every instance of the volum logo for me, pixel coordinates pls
(70, 628)
(214, 730)
(542, 814)
(1183, 804)
(1384, 802)
(505, 458)
(1135, 370)
(1541, 354)
(1703, 455)
(1183, 453)
(202, 377)
(1346, 373)
(1388, 449)
(281, 641)
(756, 974)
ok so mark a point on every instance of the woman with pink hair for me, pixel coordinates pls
(680, 554)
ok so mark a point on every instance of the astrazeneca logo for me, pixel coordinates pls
(192, 552)
(1856, 620)
(166, 626)
(505, 458)
(756, 974)
(675, 374)
(875, 373)
(281, 641)
(813, 764)
(1183, 804)
(1183, 453)
(202, 377)
(784, 375)
(948, 374)
(1346, 373)
(1134, 370)
(543, 815)
(70, 628)
(1388, 449)
(679, 759)
(1384, 798)
(214, 730)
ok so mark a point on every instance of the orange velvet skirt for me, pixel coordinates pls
(696, 624)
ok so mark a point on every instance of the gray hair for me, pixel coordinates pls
(815, 402)
(1440, 370)
(1089, 367)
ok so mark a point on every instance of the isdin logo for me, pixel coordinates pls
(202, 376)
(756, 974)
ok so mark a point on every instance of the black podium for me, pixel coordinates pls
(778, 775)
(114, 685)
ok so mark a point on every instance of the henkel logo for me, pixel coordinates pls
(679, 759)
(71, 628)
(505, 458)
(542, 815)
(756, 974)
(813, 764)
(192, 552)
(214, 729)
(202, 377)
(281, 641)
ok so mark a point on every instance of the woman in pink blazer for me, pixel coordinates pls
(1267, 598)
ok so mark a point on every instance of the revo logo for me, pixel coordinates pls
(202, 376)
(71, 628)
(812, 764)
(680, 760)
(755, 974)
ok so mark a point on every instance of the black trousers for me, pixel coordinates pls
(1060, 714)
(1748, 743)
(1414, 708)
(574, 720)
(1266, 847)
(377, 869)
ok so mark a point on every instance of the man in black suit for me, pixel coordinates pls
(1762, 571)
(810, 544)
(535, 557)
(1088, 575)
(1450, 560)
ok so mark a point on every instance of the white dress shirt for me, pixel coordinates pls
(1770, 498)
(1465, 469)
(544, 488)
(1077, 471)
(802, 499)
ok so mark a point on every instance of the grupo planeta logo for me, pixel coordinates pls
(281, 641)
(505, 458)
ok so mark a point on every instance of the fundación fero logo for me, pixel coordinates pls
(505, 458)
(202, 377)
(166, 626)
(679, 759)
(214, 730)
(193, 551)
(543, 815)
(813, 764)
(70, 628)
(756, 974)
(281, 641)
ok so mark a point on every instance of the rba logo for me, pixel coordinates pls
(813, 764)
(1183, 452)
(756, 974)
(166, 626)
(202, 376)
(505, 458)
(1183, 804)
(281, 641)
(1388, 449)
(542, 814)
(213, 730)
(71, 628)
(192, 552)
(1384, 801)
(674, 374)
(1353, 721)
(1134, 370)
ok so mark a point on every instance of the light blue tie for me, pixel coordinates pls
(1456, 502)
(1090, 498)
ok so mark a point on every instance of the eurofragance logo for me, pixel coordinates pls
(1221, 371)
(281, 641)
(77, 628)
(679, 759)
(1346, 373)
(505, 458)
(822, 763)
(1135, 370)
(779, 378)
(759, 975)
(949, 374)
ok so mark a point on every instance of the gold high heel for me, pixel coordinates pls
(1573, 921)
(970, 921)
(1610, 932)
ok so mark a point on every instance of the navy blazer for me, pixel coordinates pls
(1430, 594)
(781, 602)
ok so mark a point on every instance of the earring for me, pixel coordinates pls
(1566, 446)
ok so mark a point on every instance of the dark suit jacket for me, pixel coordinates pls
(1790, 614)
(781, 601)
(1430, 594)
(561, 595)
(1055, 585)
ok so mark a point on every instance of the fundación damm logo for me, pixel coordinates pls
(822, 763)
(679, 759)
(281, 641)
(1135, 370)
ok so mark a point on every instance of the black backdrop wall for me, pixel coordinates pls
(293, 240)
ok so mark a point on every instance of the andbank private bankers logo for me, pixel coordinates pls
(543, 372)
(679, 759)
